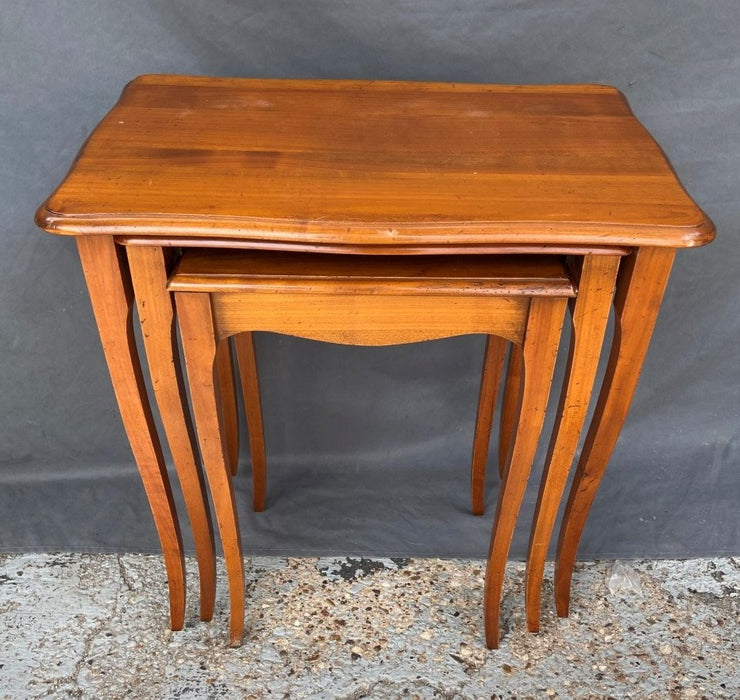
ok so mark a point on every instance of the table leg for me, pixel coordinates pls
(589, 318)
(200, 348)
(247, 360)
(108, 283)
(510, 405)
(493, 364)
(156, 315)
(540, 348)
(225, 374)
(640, 286)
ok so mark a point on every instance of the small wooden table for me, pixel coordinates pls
(364, 167)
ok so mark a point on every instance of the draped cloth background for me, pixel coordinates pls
(368, 448)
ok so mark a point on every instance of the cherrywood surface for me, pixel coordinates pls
(225, 377)
(539, 350)
(374, 163)
(368, 319)
(493, 366)
(228, 303)
(510, 404)
(108, 282)
(389, 300)
(297, 246)
(148, 269)
(640, 287)
(377, 168)
(589, 318)
(252, 271)
(200, 347)
(247, 360)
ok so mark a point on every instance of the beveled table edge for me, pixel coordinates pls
(380, 234)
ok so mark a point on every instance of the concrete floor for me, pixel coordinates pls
(94, 626)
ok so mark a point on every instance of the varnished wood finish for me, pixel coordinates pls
(589, 318)
(375, 163)
(641, 283)
(108, 283)
(156, 314)
(356, 249)
(376, 168)
(388, 301)
(510, 405)
(200, 350)
(368, 320)
(247, 360)
(225, 376)
(493, 365)
(539, 350)
(205, 270)
(224, 309)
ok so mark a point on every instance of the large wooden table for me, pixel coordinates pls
(364, 167)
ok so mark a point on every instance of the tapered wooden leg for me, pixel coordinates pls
(156, 315)
(225, 374)
(247, 359)
(510, 405)
(108, 282)
(200, 350)
(493, 364)
(540, 347)
(590, 315)
(640, 286)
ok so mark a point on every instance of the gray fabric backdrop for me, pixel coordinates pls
(368, 448)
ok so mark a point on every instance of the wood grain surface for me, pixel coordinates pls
(205, 270)
(112, 297)
(155, 306)
(375, 163)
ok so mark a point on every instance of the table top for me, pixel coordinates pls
(206, 269)
(373, 163)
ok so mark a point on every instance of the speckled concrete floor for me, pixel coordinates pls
(95, 626)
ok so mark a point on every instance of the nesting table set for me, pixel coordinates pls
(372, 213)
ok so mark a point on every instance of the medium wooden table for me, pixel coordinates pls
(364, 167)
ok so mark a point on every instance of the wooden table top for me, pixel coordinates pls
(375, 164)
(205, 269)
